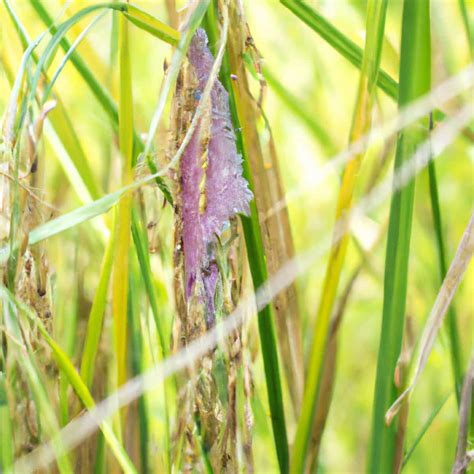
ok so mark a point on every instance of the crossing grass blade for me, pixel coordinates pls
(300, 110)
(375, 25)
(338, 41)
(415, 81)
(348, 49)
(100, 92)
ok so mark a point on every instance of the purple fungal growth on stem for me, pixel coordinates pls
(207, 209)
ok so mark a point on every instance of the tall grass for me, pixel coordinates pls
(415, 80)
(273, 368)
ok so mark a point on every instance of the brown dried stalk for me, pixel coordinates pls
(276, 232)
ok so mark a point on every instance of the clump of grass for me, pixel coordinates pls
(108, 305)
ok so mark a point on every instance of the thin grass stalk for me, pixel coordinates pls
(375, 26)
(463, 458)
(138, 445)
(467, 26)
(443, 300)
(453, 332)
(299, 109)
(424, 429)
(123, 215)
(6, 432)
(141, 247)
(96, 315)
(256, 257)
(415, 81)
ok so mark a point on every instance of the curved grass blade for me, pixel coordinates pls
(299, 110)
(415, 81)
(66, 57)
(350, 50)
(338, 41)
(100, 92)
(376, 12)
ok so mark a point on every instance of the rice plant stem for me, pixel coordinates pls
(376, 12)
(455, 349)
(415, 80)
(123, 215)
(258, 269)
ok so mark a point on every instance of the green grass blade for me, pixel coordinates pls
(424, 429)
(66, 365)
(453, 332)
(375, 26)
(136, 350)
(6, 433)
(338, 41)
(149, 23)
(299, 110)
(63, 127)
(257, 264)
(348, 48)
(467, 25)
(141, 246)
(415, 81)
(96, 315)
(100, 92)
(23, 354)
(66, 57)
(123, 215)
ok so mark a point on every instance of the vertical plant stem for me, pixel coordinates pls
(6, 434)
(375, 26)
(467, 25)
(256, 258)
(415, 81)
(454, 346)
(96, 315)
(136, 349)
(123, 221)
